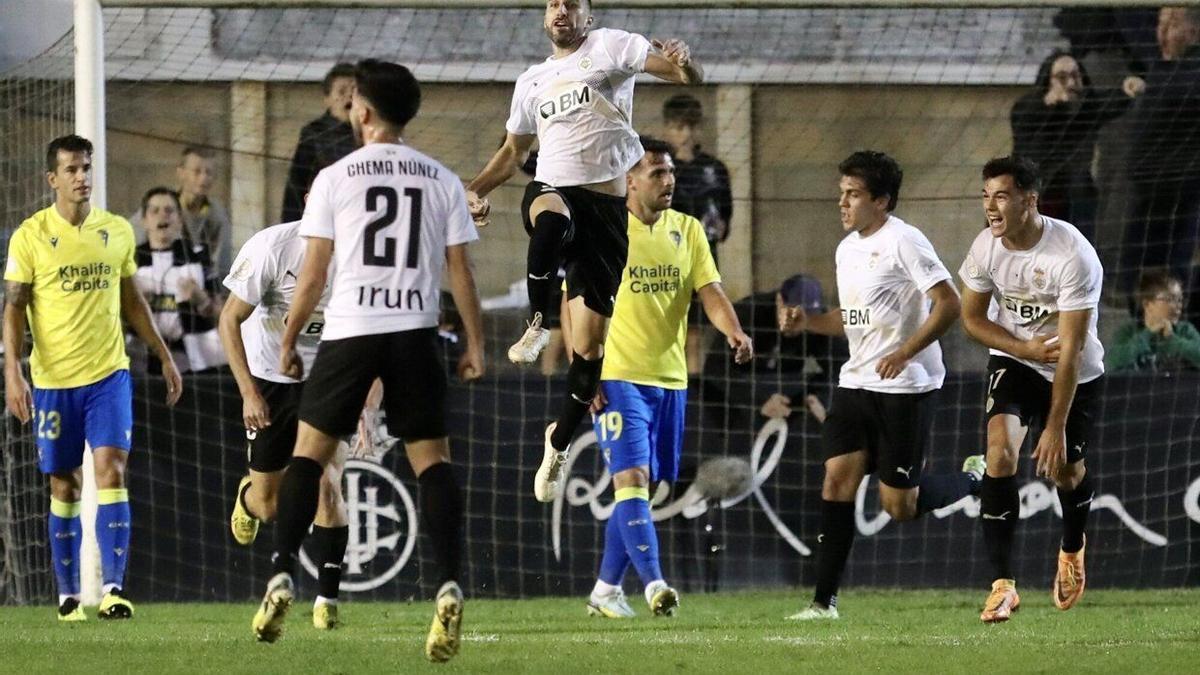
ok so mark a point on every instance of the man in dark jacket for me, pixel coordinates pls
(323, 141)
(1164, 162)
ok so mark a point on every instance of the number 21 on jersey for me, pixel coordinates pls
(381, 251)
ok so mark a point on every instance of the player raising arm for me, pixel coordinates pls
(578, 106)
(1042, 278)
(70, 276)
(896, 301)
(261, 284)
(643, 390)
(395, 219)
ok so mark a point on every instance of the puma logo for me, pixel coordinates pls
(988, 516)
(544, 277)
(332, 566)
(289, 274)
(907, 472)
(1085, 502)
(643, 547)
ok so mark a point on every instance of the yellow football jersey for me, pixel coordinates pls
(668, 262)
(75, 311)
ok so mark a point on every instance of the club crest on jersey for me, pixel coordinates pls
(676, 238)
(873, 261)
(972, 269)
(585, 63)
(1039, 279)
(565, 101)
(241, 269)
(53, 242)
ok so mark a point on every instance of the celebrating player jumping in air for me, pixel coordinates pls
(262, 283)
(1043, 278)
(70, 274)
(394, 218)
(578, 106)
(888, 275)
(643, 389)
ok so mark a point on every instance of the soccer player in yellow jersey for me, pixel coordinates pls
(639, 413)
(70, 276)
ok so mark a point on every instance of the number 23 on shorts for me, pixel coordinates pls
(49, 424)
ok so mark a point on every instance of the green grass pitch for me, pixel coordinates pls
(880, 631)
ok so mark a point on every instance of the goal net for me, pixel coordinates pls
(790, 92)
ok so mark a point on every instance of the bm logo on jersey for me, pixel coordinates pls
(383, 526)
(1027, 311)
(565, 102)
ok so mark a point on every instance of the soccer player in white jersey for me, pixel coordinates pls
(578, 106)
(261, 285)
(896, 301)
(1031, 288)
(392, 219)
(643, 391)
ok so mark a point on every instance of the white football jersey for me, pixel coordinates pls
(264, 274)
(882, 280)
(581, 109)
(1061, 273)
(391, 212)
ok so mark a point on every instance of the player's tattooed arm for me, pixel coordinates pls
(673, 62)
(507, 160)
(18, 398)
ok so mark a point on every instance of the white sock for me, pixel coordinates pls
(654, 587)
(109, 588)
(322, 600)
(603, 589)
(63, 598)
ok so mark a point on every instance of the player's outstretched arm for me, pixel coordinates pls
(1051, 451)
(256, 414)
(1042, 348)
(794, 321)
(942, 315)
(507, 160)
(466, 298)
(137, 314)
(18, 399)
(720, 312)
(673, 62)
(309, 287)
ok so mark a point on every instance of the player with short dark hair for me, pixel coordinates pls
(69, 278)
(261, 286)
(896, 301)
(391, 219)
(639, 410)
(1031, 289)
(578, 106)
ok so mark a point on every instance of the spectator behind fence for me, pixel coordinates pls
(812, 359)
(323, 141)
(701, 191)
(1164, 160)
(204, 220)
(175, 276)
(1055, 125)
(1161, 341)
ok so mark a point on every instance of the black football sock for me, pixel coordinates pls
(583, 377)
(298, 493)
(943, 489)
(999, 511)
(1076, 505)
(833, 549)
(330, 546)
(550, 231)
(442, 514)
